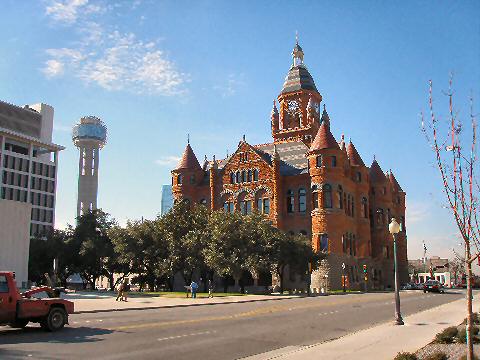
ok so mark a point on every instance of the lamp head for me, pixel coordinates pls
(394, 227)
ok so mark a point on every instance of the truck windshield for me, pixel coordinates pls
(3, 284)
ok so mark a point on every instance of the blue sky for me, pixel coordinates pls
(155, 71)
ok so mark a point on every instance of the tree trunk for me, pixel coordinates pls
(111, 281)
(225, 284)
(280, 276)
(237, 283)
(469, 303)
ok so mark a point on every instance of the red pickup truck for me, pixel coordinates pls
(18, 309)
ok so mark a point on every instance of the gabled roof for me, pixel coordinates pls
(324, 139)
(394, 182)
(376, 173)
(292, 156)
(353, 155)
(298, 78)
(188, 160)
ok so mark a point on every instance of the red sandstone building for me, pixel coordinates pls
(307, 182)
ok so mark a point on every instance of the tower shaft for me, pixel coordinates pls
(87, 178)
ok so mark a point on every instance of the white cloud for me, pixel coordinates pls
(110, 59)
(59, 127)
(231, 85)
(53, 68)
(68, 11)
(416, 212)
(167, 160)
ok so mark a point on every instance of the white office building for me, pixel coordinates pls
(28, 179)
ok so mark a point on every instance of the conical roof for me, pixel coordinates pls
(394, 182)
(298, 78)
(353, 155)
(376, 173)
(324, 139)
(188, 160)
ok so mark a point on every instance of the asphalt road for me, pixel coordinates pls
(221, 331)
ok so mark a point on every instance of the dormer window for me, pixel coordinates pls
(179, 179)
(334, 161)
(359, 176)
(319, 160)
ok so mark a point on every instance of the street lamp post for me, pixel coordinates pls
(343, 276)
(394, 228)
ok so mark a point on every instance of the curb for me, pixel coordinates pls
(180, 305)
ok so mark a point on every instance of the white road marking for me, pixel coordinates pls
(185, 335)
(87, 321)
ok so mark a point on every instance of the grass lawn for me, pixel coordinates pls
(180, 294)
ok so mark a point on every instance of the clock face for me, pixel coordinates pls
(293, 106)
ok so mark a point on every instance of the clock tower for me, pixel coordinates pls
(298, 116)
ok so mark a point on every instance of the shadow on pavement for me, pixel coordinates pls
(18, 354)
(69, 335)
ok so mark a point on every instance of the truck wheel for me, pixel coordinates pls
(19, 324)
(55, 320)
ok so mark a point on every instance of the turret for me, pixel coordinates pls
(274, 118)
(186, 175)
(359, 175)
(326, 171)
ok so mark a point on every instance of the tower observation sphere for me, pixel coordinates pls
(89, 136)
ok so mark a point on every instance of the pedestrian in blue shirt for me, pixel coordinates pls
(193, 289)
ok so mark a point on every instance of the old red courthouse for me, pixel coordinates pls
(307, 182)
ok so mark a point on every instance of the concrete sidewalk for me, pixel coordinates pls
(383, 341)
(98, 302)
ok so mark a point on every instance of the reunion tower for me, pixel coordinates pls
(89, 136)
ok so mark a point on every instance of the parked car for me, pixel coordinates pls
(410, 286)
(433, 286)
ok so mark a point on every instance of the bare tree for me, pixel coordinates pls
(456, 161)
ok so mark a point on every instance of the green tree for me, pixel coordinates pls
(187, 229)
(143, 247)
(91, 242)
(43, 250)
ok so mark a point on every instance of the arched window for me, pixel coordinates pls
(290, 201)
(263, 202)
(354, 246)
(348, 204)
(350, 243)
(314, 197)
(353, 206)
(203, 202)
(340, 196)
(344, 243)
(302, 200)
(319, 160)
(179, 179)
(364, 207)
(192, 179)
(255, 175)
(323, 242)
(249, 175)
(359, 176)
(327, 196)
(244, 176)
(232, 178)
(334, 161)
(380, 217)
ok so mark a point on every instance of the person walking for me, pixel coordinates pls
(210, 288)
(193, 288)
(126, 289)
(121, 289)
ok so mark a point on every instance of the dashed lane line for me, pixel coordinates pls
(185, 335)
